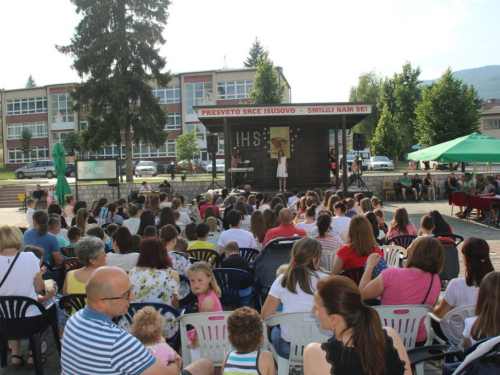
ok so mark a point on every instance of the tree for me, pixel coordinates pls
(71, 143)
(187, 147)
(256, 54)
(26, 142)
(447, 111)
(407, 95)
(115, 48)
(367, 90)
(386, 140)
(266, 87)
(30, 82)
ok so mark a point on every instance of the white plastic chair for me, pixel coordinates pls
(213, 238)
(393, 254)
(343, 234)
(327, 258)
(405, 319)
(212, 334)
(304, 328)
(457, 316)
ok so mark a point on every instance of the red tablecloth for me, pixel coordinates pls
(482, 203)
(458, 199)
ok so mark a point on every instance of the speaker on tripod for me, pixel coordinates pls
(212, 143)
(358, 141)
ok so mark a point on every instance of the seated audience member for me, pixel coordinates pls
(429, 185)
(358, 197)
(294, 198)
(181, 245)
(247, 190)
(70, 204)
(148, 218)
(360, 244)
(270, 219)
(172, 243)
(248, 207)
(426, 226)
(360, 344)
(122, 255)
(452, 182)
(82, 220)
(37, 194)
(208, 203)
(202, 231)
(330, 206)
(366, 205)
(295, 295)
(40, 236)
(329, 242)
(485, 323)
(235, 260)
(74, 235)
(310, 220)
(407, 186)
(416, 284)
(278, 208)
(223, 195)
(441, 226)
(245, 335)
(132, 223)
(190, 232)
(76, 207)
(110, 230)
(164, 200)
(376, 203)
(150, 231)
(122, 208)
(464, 290)
(212, 224)
(258, 227)
(145, 188)
(55, 228)
(176, 206)
(242, 237)
(90, 253)
(340, 221)
(416, 184)
(231, 200)
(245, 217)
(401, 225)
(381, 220)
(286, 228)
(99, 233)
(130, 356)
(112, 217)
(136, 243)
(30, 203)
(377, 233)
(260, 203)
(349, 206)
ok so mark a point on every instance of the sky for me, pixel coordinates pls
(323, 46)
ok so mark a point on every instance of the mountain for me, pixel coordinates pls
(486, 80)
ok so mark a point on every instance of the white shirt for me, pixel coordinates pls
(124, 261)
(469, 322)
(307, 227)
(264, 207)
(29, 217)
(132, 224)
(457, 294)
(184, 218)
(241, 237)
(63, 233)
(341, 223)
(143, 188)
(300, 302)
(292, 200)
(165, 204)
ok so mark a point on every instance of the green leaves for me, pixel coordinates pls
(266, 87)
(387, 139)
(256, 54)
(26, 142)
(187, 146)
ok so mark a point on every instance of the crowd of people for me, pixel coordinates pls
(137, 252)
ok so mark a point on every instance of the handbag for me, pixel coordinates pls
(334, 165)
(430, 286)
(10, 268)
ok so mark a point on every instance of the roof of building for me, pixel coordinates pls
(491, 110)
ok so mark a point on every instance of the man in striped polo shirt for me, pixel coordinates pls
(93, 344)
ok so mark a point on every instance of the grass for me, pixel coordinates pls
(7, 174)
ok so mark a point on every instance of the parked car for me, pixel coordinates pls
(70, 170)
(124, 167)
(220, 166)
(349, 159)
(160, 168)
(41, 168)
(381, 163)
(145, 168)
(196, 166)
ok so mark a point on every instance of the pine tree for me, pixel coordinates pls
(115, 48)
(256, 54)
(30, 82)
(26, 142)
(386, 140)
(266, 87)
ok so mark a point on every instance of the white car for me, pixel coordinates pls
(220, 166)
(145, 168)
(380, 162)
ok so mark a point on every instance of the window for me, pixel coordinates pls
(200, 93)
(83, 124)
(491, 124)
(38, 129)
(36, 153)
(171, 94)
(221, 146)
(174, 122)
(139, 151)
(200, 130)
(26, 106)
(61, 108)
(234, 89)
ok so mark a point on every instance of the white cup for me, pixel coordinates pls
(49, 285)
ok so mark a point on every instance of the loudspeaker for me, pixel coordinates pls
(212, 143)
(358, 141)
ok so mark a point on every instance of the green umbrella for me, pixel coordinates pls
(62, 187)
(470, 148)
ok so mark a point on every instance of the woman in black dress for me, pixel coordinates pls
(360, 344)
(333, 163)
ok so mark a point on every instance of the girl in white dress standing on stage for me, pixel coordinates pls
(282, 172)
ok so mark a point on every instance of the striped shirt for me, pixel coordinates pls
(242, 364)
(93, 344)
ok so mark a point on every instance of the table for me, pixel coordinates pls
(472, 201)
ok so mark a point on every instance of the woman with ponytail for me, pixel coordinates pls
(39, 236)
(295, 289)
(360, 344)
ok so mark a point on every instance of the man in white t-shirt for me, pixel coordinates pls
(243, 238)
(145, 188)
(164, 200)
(294, 198)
